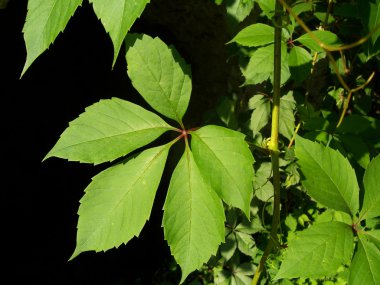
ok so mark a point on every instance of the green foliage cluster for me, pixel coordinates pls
(219, 208)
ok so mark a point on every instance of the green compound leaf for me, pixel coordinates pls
(119, 200)
(260, 65)
(255, 35)
(318, 251)
(226, 163)
(326, 37)
(44, 21)
(161, 76)
(117, 17)
(108, 130)
(287, 120)
(299, 63)
(371, 201)
(328, 176)
(261, 113)
(365, 265)
(193, 216)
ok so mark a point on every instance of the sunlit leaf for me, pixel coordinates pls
(325, 38)
(371, 181)
(118, 201)
(365, 265)
(267, 6)
(255, 35)
(44, 21)
(226, 163)
(108, 130)
(327, 176)
(160, 75)
(117, 17)
(193, 217)
(318, 251)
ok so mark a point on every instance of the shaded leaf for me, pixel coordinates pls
(255, 35)
(44, 21)
(299, 63)
(262, 184)
(228, 248)
(287, 120)
(356, 148)
(118, 201)
(371, 181)
(365, 265)
(226, 163)
(246, 244)
(328, 176)
(260, 65)
(325, 37)
(261, 113)
(317, 251)
(108, 130)
(160, 75)
(117, 17)
(369, 13)
(193, 217)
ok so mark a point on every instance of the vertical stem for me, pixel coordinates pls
(273, 145)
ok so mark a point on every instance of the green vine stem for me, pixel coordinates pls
(273, 144)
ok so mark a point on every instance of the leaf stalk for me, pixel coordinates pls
(273, 145)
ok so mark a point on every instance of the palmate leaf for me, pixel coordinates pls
(255, 35)
(369, 12)
(44, 21)
(160, 75)
(118, 201)
(108, 130)
(193, 216)
(327, 176)
(318, 251)
(371, 201)
(226, 163)
(365, 265)
(117, 17)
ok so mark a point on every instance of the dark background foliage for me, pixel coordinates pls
(40, 199)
